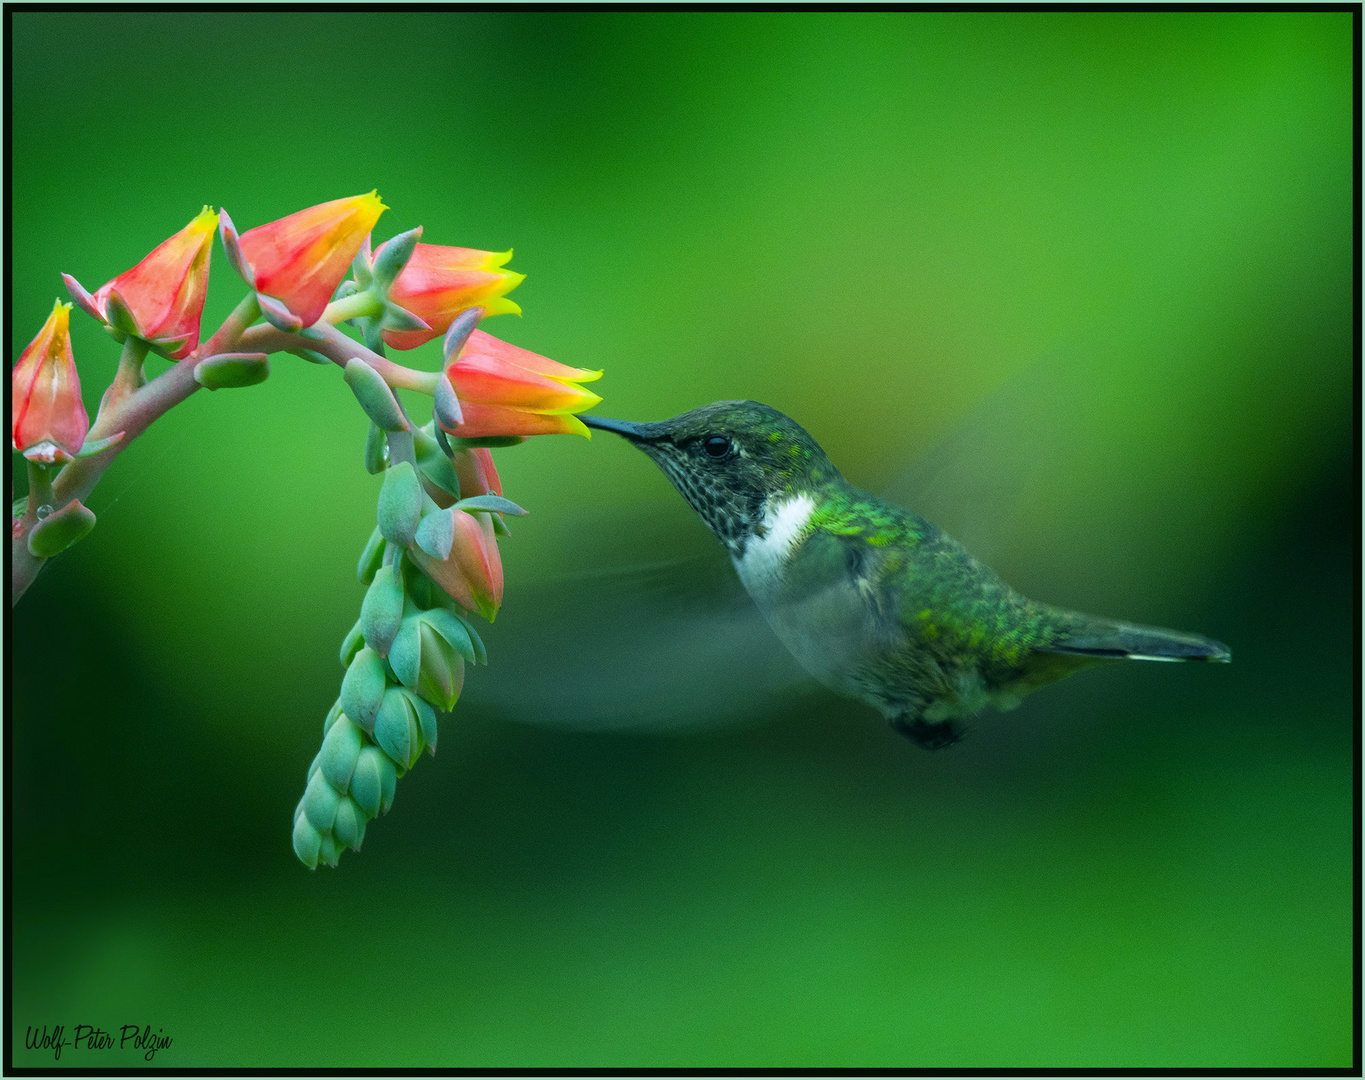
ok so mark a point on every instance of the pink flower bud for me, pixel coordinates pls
(165, 291)
(440, 282)
(472, 573)
(505, 390)
(474, 469)
(49, 418)
(301, 259)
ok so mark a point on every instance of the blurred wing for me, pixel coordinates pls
(645, 648)
(973, 483)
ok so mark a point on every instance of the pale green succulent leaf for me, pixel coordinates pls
(381, 612)
(372, 558)
(426, 720)
(320, 802)
(392, 730)
(331, 718)
(400, 504)
(362, 688)
(494, 503)
(307, 841)
(374, 396)
(367, 780)
(376, 450)
(405, 655)
(340, 750)
(354, 642)
(58, 531)
(454, 630)
(328, 852)
(349, 826)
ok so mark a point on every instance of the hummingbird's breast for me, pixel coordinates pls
(835, 581)
(766, 553)
(815, 601)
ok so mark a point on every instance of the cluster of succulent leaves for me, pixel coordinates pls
(406, 654)
(404, 660)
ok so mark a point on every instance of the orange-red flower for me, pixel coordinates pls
(165, 291)
(49, 418)
(301, 259)
(440, 282)
(504, 390)
(472, 573)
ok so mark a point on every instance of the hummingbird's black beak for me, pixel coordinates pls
(630, 430)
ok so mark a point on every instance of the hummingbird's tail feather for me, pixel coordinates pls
(1106, 639)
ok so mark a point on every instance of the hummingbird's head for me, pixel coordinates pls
(727, 458)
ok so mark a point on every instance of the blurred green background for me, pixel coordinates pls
(1106, 257)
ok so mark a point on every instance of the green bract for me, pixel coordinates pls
(362, 689)
(354, 642)
(231, 370)
(436, 534)
(493, 503)
(320, 801)
(381, 612)
(400, 504)
(436, 468)
(349, 826)
(429, 664)
(376, 450)
(374, 396)
(396, 728)
(57, 532)
(340, 749)
(371, 558)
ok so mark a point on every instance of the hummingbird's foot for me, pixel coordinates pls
(929, 736)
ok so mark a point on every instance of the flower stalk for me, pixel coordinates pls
(39, 487)
(129, 377)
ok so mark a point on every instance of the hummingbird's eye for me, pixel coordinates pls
(717, 445)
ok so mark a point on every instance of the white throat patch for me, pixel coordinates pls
(764, 556)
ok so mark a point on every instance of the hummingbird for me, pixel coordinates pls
(872, 600)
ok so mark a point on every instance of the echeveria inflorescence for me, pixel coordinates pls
(433, 561)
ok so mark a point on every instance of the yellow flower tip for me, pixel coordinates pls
(577, 427)
(372, 201)
(500, 305)
(498, 259)
(205, 223)
(369, 212)
(580, 375)
(59, 321)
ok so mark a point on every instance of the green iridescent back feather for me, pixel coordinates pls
(947, 601)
